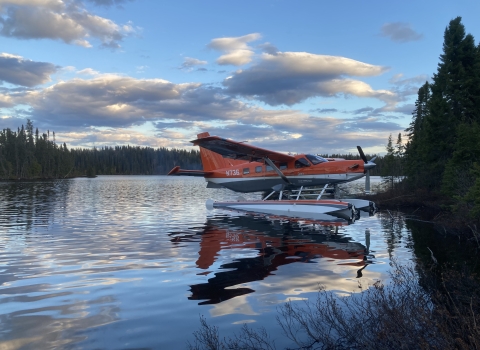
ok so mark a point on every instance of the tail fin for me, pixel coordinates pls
(212, 161)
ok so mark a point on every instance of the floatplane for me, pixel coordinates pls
(242, 167)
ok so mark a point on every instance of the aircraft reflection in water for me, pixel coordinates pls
(277, 244)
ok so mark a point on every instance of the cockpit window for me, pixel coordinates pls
(301, 163)
(315, 159)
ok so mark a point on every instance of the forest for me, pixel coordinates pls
(442, 155)
(25, 154)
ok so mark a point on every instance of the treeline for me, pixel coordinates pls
(442, 155)
(133, 160)
(25, 154)
(382, 168)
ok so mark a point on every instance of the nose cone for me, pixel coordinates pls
(369, 165)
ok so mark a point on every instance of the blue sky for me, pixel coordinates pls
(303, 76)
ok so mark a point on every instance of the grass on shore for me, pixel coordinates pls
(420, 309)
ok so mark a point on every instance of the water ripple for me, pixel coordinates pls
(117, 262)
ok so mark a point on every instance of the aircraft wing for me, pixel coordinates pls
(239, 150)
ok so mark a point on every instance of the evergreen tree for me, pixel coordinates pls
(388, 171)
(445, 120)
(415, 148)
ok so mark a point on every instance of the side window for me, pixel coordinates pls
(259, 169)
(246, 171)
(283, 166)
(269, 168)
(301, 163)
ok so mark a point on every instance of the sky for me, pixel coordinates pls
(292, 76)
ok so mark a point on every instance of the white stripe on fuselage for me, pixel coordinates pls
(337, 178)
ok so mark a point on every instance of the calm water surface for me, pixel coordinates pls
(132, 262)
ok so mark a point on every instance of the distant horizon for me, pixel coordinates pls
(312, 78)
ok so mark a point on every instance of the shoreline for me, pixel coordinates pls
(426, 208)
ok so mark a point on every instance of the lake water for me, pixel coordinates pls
(121, 262)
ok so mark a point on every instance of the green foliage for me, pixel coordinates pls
(458, 176)
(25, 154)
(392, 167)
(22, 156)
(443, 137)
(471, 200)
(133, 160)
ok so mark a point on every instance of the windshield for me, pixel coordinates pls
(315, 159)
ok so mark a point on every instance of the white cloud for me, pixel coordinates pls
(180, 111)
(106, 100)
(88, 71)
(6, 101)
(291, 77)
(118, 103)
(114, 137)
(190, 62)
(59, 20)
(233, 43)
(236, 58)
(237, 52)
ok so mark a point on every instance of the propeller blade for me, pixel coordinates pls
(362, 155)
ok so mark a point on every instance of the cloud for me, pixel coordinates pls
(368, 124)
(189, 63)
(405, 87)
(237, 52)
(117, 104)
(88, 71)
(61, 20)
(106, 100)
(292, 131)
(405, 109)
(268, 48)
(326, 110)
(108, 3)
(114, 137)
(363, 110)
(292, 77)
(120, 102)
(400, 32)
(19, 71)
(6, 101)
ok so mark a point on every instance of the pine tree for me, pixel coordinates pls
(388, 170)
(414, 160)
(436, 135)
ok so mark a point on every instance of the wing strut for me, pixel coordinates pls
(278, 171)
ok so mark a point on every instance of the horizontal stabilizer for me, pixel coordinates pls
(178, 171)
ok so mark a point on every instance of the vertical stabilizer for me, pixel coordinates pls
(211, 160)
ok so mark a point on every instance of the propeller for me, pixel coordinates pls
(369, 164)
(362, 155)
